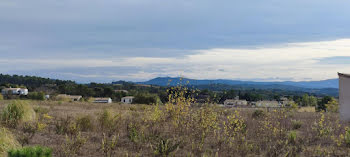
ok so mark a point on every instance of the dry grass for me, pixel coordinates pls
(141, 130)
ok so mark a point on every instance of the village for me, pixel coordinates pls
(283, 102)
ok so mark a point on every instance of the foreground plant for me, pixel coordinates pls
(73, 145)
(36, 151)
(109, 145)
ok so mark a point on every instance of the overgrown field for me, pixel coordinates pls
(175, 129)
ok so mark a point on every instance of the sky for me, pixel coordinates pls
(137, 40)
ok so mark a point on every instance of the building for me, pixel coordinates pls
(267, 104)
(127, 99)
(121, 91)
(14, 91)
(235, 102)
(103, 100)
(70, 97)
(344, 96)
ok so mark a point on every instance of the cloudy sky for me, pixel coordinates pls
(136, 40)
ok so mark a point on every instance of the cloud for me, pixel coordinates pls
(244, 39)
(162, 28)
(287, 62)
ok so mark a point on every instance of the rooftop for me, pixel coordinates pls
(344, 75)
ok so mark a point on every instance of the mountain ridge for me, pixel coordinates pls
(172, 81)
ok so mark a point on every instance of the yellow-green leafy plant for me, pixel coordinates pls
(72, 145)
(178, 106)
(321, 128)
(347, 137)
(135, 133)
(109, 122)
(7, 141)
(296, 124)
(332, 106)
(16, 112)
(85, 123)
(205, 123)
(66, 126)
(165, 147)
(234, 126)
(109, 145)
(292, 137)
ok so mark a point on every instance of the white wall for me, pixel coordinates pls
(344, 97)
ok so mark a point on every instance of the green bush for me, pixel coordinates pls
(258, 114)
(292, 137)
(12, 115)
(109, 122)
(36, 95)
(7, 141)
(296, 124)
(347, 137)
(36, 151)
(16, 112)
(66, 126)
(85, 123)
(145, 98)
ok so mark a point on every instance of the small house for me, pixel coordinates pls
(127, 99)
(235, 102)
(14, 91)
(267, 104)
(70, 97)
(103, 100)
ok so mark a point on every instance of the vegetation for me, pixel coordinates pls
(187, 123)
(212, 93)
(36, 151)
(7, 141)
(16, 112)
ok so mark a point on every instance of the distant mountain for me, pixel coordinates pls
(165, 81)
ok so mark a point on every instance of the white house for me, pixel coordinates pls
(14, 91)
(127, 99)
(103, 100)
(344, 96)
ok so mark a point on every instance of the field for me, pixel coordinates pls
(87, 129)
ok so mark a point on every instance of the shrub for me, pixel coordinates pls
(258, 114)
(332, 106)
(16, 112)
(41, 110)
(73, 145)
(109, 145)
(7, 141)
(1, 97)
(12, 115)
(85, 123)
(296, 124)
(36, 95)
(36, 151)
(108, 121)
(66, 126)
(134, 133)
(28, 131)
(292, 137)
(165, 147)
(145, 98)
(347, 137)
